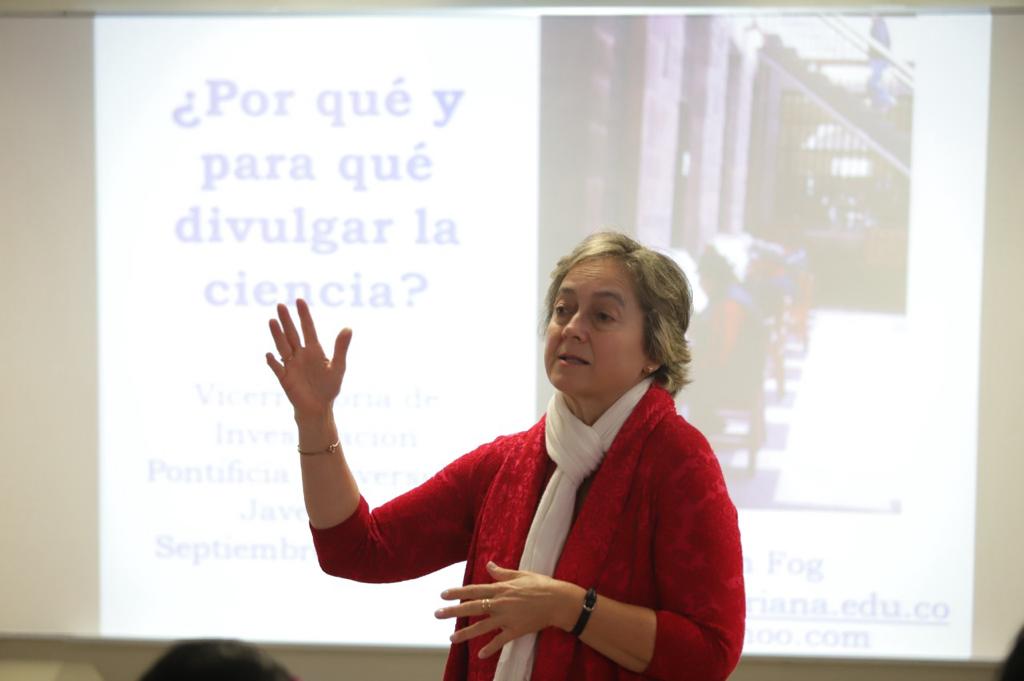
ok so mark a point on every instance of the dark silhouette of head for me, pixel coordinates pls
(1013, 666)
(215, 660)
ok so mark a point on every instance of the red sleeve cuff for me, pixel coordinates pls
(347, 534)
(684, 651)
(663, 661)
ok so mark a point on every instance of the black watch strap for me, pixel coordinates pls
(588, 607)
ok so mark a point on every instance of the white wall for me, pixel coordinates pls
(48, 468)
(999, 536)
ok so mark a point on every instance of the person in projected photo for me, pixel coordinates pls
(600, 543)
(732, 340)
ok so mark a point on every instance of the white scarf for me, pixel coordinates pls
(577, 450)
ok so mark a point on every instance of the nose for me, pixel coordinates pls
(575, 328)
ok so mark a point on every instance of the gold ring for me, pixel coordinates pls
(486, 604)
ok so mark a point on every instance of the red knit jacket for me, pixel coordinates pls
(657, 529)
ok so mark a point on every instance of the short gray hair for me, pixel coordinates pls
(662, 290)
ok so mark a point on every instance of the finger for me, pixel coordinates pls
(501, 574)
(470, 592)
(275, 366)
(476, 608)
(341, 343)
(290, 332)
(306, 320)
(284, 348)
(496, 643)
(474, 630)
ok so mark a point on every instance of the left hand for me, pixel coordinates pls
(517, 603)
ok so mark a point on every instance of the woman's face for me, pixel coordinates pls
(595, 340)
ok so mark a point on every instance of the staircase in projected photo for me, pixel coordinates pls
(849, 108)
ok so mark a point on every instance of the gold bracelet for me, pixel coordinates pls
(331, 449)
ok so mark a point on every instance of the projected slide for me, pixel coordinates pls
(367, 166)
(820, 179)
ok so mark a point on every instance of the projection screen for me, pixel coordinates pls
(416, 177)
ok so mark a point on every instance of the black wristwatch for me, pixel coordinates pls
(589, 601)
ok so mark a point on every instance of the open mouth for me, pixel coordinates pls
(573, 359)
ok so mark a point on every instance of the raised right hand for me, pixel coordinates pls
(310, 380)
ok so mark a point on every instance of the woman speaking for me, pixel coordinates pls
(599, 544)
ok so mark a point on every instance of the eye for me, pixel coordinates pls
(605, 317)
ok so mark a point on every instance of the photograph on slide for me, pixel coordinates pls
(771, 157)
